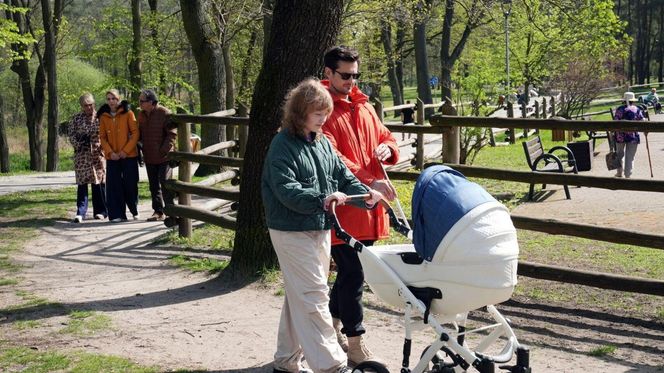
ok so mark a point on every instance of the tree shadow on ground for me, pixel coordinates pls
(225, 283)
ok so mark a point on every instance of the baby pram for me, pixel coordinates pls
(464, 258)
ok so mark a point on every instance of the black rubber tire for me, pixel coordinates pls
(370, 366)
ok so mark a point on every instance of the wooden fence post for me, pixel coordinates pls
(419, 120)
(537, 114)
(378, 107)
(544, 109)
(184, 174)
(243, 111)
(510, 114)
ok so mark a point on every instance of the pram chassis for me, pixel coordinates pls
(448, 341)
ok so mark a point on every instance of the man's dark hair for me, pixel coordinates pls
(150, 95)
(340, 53)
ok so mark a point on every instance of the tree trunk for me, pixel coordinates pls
(268, 11)
(246, 64)
(448, 57)
(135, 58)
(154, 35)
(422, 64)
(33, 101)
(208, 54)
(398, 65)
(4, 146)
(51, 26)
(294, 51)
(386, 38)
(230, 79)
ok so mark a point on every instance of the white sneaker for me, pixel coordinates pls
(78, 219)
(137, 216)
(100, 217)
(116, 220)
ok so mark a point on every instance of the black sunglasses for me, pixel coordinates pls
(346, 76)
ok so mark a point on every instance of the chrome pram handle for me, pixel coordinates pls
(350, 240)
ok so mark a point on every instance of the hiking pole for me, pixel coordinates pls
(648, 150)
(405, 219)
(648, 146)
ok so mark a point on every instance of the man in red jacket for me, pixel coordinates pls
(362, 142)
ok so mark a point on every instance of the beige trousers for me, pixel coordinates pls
(305, 327)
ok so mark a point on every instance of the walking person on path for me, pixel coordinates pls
(362, 142)
(627, 142)
(89, 165)
(119, 135)
(301, 176)
(158, 138)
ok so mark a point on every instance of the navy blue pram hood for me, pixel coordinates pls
(441, 197)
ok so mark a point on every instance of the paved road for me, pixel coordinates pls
(46, 180)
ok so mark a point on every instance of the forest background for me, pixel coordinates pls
(205, 56)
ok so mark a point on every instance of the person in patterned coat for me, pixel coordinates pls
(89, 164)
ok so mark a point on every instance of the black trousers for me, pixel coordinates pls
(98, 199)
(346, 294)
(157, 175)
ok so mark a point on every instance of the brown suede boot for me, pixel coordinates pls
(358, 351)
(341, 338)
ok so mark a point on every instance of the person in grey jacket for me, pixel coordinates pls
(301, 176)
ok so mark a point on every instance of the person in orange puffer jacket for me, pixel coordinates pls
(362, 142)
(118, 131)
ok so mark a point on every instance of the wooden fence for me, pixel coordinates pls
(441, 124)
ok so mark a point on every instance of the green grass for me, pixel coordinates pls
(26, 324)
(209, 265)
(208, 236)
(86, 323)
(23, 359)
(7, 281)
(603, 350)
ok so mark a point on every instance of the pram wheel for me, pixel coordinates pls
(438, 365)
(370, 366)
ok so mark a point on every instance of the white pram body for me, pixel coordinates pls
(474, 266)
(463, 257)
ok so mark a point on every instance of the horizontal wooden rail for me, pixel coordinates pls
(559, 124)
(416, 128)
(588, 278)
(229, 194)
(201, 215)
(218, 146)
(612, 183)
(203, 119)
(220, 177)
(206, 159)
(593, 232)
(607, 111)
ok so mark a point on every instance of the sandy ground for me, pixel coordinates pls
(170, 318)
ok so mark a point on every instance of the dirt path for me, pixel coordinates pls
(168, 317)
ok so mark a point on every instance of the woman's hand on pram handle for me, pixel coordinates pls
(374, 197)
(338, 197)
(385, 188)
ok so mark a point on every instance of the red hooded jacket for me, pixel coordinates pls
(355, 131)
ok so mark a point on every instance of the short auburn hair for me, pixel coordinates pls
(308, 96)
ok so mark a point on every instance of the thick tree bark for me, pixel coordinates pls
(4, 146)
(136, 56)
(386, 38)
(422, 64)
(398, 65)
(154, 35)
(301, 32)
(206, 47)
(33, 101)
(246, 64)
(51, 23)
(230, 78)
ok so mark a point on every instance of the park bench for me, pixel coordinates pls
(540, 161)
